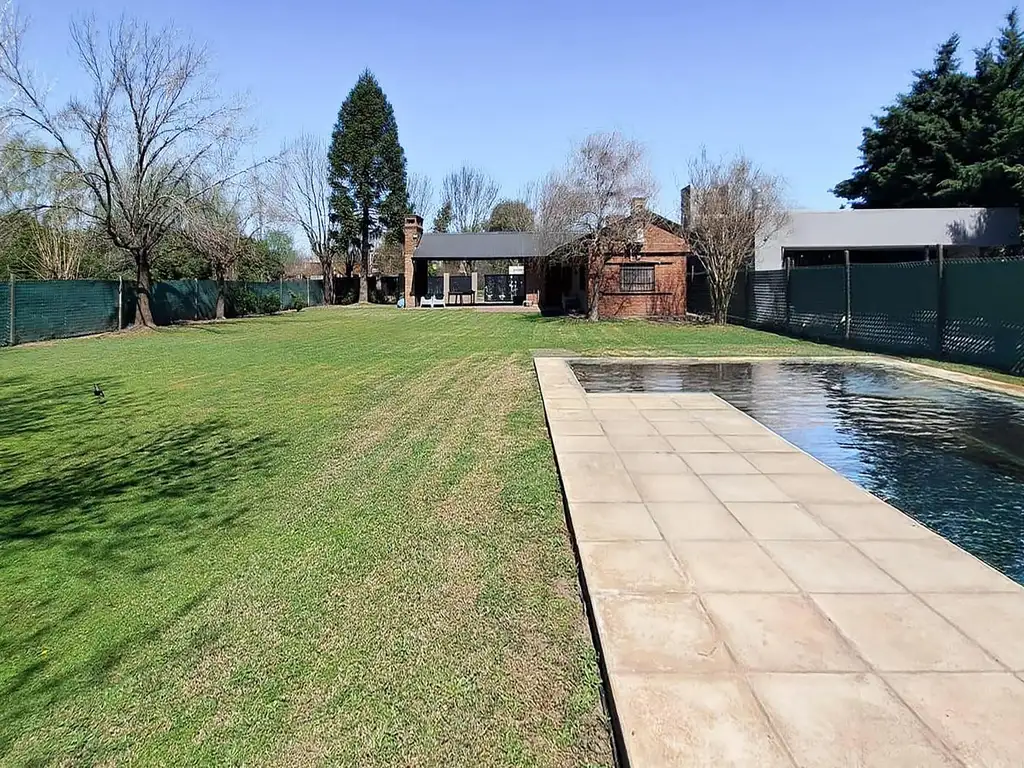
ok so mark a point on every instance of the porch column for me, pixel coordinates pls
(447, 277)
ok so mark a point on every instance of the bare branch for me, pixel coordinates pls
(471, 194)
(421, 195)
(149, 125)
(735, 206)
(595, 208)
(302, 198)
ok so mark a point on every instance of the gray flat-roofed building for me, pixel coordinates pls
(476, 246)
(890, 234)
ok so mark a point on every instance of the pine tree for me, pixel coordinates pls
(367, 172)
(443, 219)
(954, 139)
(907, 155)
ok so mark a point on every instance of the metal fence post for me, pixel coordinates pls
(10, 288)
(849, 302)
(940, 304)
(120, 302)
(307, 290)
(280, 288)
(787, 318)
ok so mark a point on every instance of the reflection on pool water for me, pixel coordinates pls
(950, 456)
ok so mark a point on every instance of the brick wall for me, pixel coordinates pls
(667, 300)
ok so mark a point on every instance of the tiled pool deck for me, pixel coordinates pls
(755, 608)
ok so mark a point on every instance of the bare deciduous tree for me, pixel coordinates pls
(303, 196)
(595, 208)
(421, 194)
(218, 225)
(59, 240)
(471, 194)
(734, 206)
(150, 123)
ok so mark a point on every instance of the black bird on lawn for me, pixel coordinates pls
(98, 393)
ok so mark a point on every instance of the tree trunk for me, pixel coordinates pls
(364, 258)
(221, 291)
(143, 283)
(593, 283)
(327, 265)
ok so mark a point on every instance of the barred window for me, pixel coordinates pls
(636, 278)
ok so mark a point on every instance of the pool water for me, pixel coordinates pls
(950, 456)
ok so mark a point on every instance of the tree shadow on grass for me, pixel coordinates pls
(115, 506)
(118, 499)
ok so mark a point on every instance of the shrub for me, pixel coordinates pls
(240, 301)
(268, 303)
(297, 302)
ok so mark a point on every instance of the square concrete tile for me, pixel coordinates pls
(730, 566)
(658, 633)
(744, 488)
(696, 520)
(821, 487)
(588, 427)
(763, 443)
(612, 522)
(829, 566)
(654, 464)
(718, 464)
(570, 414)
(671, 488)
(730, 423)
(831, 720)
(978, 714)
(681, 428)
(778, 521)
(639, 443)
(994, 621)
(660, 416)
(566, 403)
(654, 401)
(637, 426)
(790, 462)
(864, 522)
(696, 721)
(634, 567)
(899, 633)
(629, 414)
(698, 444)
(779, 633)
(935, 565)
(611, 401)
(581, 444)
(595, 477)
(701, 401)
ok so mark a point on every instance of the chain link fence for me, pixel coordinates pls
(36, 310)
(967, 311)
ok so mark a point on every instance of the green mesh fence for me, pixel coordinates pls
(817, 302)
(52, 309)
(895, 307)
(984, 313)
(5, 315)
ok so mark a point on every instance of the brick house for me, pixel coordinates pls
(650, 282)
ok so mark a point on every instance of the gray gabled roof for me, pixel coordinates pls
(467, 246)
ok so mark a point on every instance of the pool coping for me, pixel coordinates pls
(956, 377)
(642, 557)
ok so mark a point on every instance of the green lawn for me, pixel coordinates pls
(330, 537)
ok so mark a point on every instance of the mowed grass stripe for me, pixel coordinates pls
(335, 536)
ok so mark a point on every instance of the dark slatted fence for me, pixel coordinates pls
(966, 310)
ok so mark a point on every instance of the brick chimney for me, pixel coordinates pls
(413, 233)
(637, 207)
(684, 208)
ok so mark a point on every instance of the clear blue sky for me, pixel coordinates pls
(508, 87)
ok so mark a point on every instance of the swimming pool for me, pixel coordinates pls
(950, 456)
